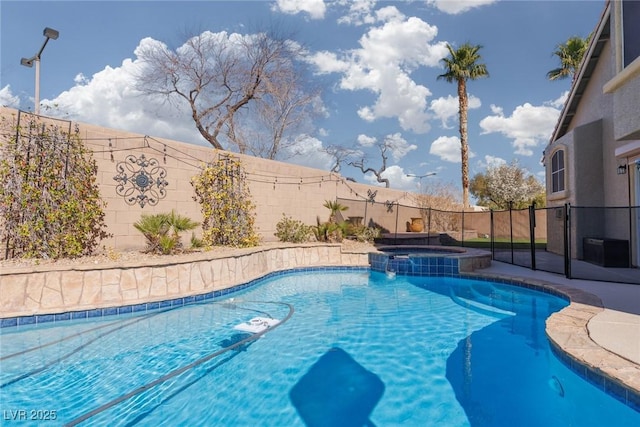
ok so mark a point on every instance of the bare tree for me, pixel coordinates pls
(384, 148)
(340, 155)
(282, 117)
(236, 87)
(441, 202)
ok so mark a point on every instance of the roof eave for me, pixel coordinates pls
(579, 83)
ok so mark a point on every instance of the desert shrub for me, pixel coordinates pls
(364, 234)
(330, 232)
(292, 230)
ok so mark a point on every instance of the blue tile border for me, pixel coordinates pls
(604, 383)
(9, 322)
(437, 264)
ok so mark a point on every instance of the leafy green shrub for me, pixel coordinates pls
(196, 242)
(364, 234)
(226, 204)
(50, 205)
(292, 230)
(162, 231)
(331, 232)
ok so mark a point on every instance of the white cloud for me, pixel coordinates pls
(396, 176)
(528, 125)
(315, 8)
(496, 110)
(108, 98)
(310, 152)
(359, 12)
(396, 144)
(559, 103)
(447, 148)
(366, 141)
(447, 108)
(7, 99)
(328, 62)
(388, 14)
(491, 161)
(383, 64)
(454, 7)
(399, 146)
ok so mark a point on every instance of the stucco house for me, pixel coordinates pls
(593, 158)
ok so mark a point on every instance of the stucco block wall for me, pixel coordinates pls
(626, 109)
(276, 187)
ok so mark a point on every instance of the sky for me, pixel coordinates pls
(376, 63)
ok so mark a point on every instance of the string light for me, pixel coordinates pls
(111, 151)
(256, 177)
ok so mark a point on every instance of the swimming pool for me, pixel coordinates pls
(413, 350)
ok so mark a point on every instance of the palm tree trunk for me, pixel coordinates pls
(464, 146)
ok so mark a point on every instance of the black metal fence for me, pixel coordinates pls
(591, 243)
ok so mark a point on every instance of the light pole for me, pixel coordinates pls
(420, 178)
(49, 33)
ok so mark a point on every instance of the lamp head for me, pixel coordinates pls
(50, 33)
(27, 62)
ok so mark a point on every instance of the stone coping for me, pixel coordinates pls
(146, 260)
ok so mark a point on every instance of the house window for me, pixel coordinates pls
(630, 31)
(557, 171)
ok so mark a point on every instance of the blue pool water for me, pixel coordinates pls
(409, 351)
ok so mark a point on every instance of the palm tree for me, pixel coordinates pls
(461, 65)
(570, 54)
(162, 231)
(334, 207)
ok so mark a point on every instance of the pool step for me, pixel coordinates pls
(480, 307)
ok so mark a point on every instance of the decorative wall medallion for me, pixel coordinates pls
(141, 180)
